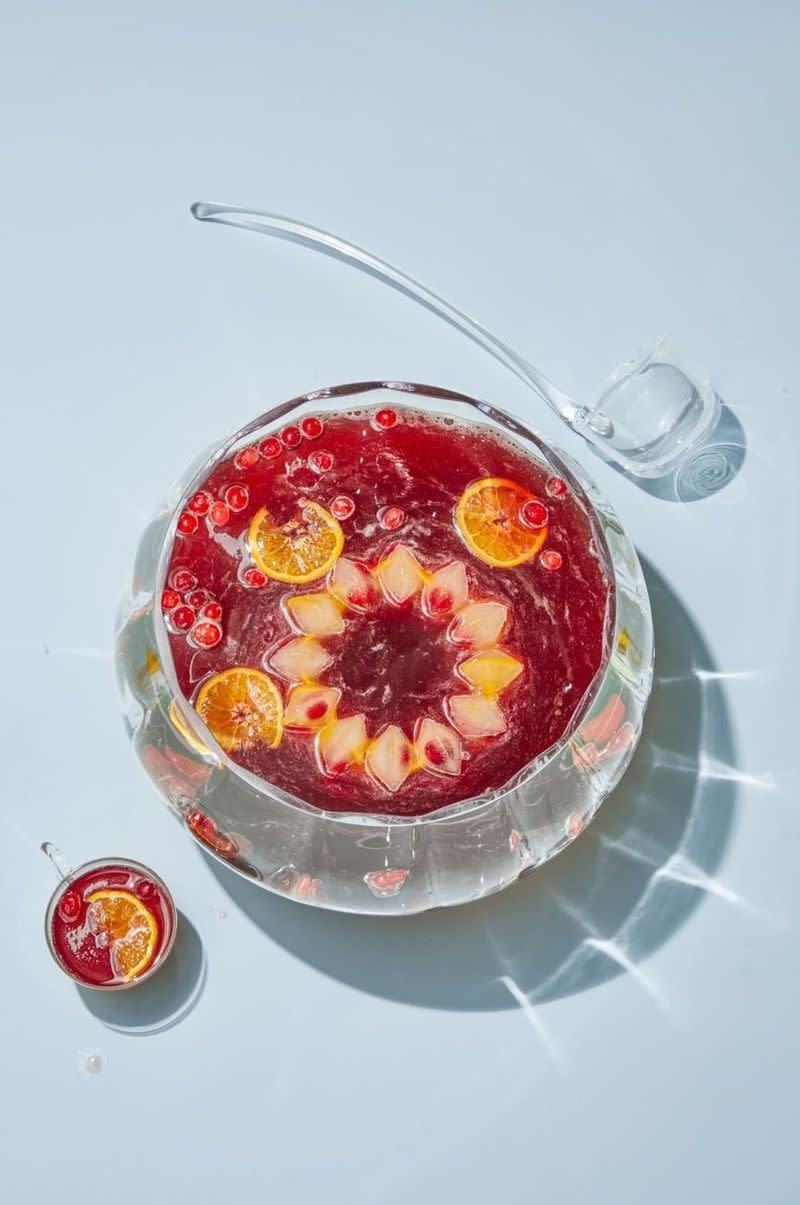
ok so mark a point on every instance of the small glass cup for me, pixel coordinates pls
(650, 414)
(93, 871)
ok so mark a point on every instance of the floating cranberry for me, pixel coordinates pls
(315, 711)
(434, 753)
(574, 825)
(212, 610)
(290, 437)
(551, 560)
(205, 828)
(146, 889)
(187, 524)
(246, 458)
(200, 502)
(182, 618)
(206, 634)
(534, 513)
(557, 487)
(321, 462)
(69, 906)
(439, 601)
(182, 579)
(196, 598)
(254, 578)
(384, 419)
(361, 599)
(391, 517)
(385, 882)
(219, 514)
(237, 497)
(170, 599)
(270, 448)
(342, 507)
(311, 427)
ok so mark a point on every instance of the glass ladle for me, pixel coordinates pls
(648, 418)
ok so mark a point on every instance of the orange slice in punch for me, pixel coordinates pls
(488, 518)
(129, 924)
(241, 708)
(300, 550)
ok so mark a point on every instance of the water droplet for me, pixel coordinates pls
(90, 1062)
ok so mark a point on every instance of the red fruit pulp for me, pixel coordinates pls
(86, 954)
(397, 664)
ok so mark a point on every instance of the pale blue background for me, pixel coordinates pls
(582, 177)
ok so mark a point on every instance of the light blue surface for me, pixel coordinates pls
(581, 177)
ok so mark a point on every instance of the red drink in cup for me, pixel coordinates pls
(111, 923)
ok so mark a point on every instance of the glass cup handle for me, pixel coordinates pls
(62, 866)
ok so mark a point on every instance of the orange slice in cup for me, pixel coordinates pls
(488, 518)
(300, 550)
(129, 924)
(241, 708)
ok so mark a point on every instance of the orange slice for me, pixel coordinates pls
(487, 516)
(131, 926)
(241, 708)
(302, 549)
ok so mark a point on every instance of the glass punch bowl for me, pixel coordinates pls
(381, 864)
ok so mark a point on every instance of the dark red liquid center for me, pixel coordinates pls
(391, 658)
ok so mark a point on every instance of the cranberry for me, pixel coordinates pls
(270, 448)
(200, 502)
(182, 618)
(391, 517)
(290, 437)
(219, 514)
(170, 599)
(384, 419)
(556, 487)
(206, 634)
(321, 462)
(196, 598)
(342, 507)
(315, 711)
(534, 513)
(434, 753)
(69, 906)
(552, 560)
(246, 458)
(439, 601)
(182, 579)
(311, 427)
(237, 497)
(212, 610)
(361, 598)
(187, 524)
(146, 889)
(254, 578)
(205, 828)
